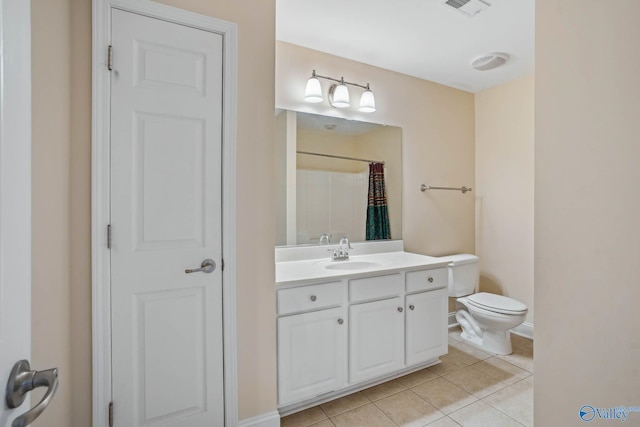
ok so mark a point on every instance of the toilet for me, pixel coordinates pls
(488, 318)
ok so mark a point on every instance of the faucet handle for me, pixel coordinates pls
(345, 241)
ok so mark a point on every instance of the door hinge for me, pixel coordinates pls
(109, 236)
(222, 266)
(110, 57)
(110, 414)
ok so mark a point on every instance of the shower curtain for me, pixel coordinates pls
(377, 211)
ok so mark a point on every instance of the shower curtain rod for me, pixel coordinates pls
(338, 157)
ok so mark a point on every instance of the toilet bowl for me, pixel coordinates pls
(486, 319)
(488, 325)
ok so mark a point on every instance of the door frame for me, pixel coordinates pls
(100, 200)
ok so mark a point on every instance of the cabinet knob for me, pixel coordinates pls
(400, 310)
(430, 279)
(313, 298)
(340, 321)
(411, 307)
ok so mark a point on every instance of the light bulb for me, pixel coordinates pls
(313, 92)
(367, 101)
(340, 96)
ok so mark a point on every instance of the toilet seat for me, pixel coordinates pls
(496, 303)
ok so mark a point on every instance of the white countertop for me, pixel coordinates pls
(311, 270)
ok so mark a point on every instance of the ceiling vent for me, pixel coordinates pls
(489, 61)
(469, 8)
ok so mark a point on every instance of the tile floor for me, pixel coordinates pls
(469, 388)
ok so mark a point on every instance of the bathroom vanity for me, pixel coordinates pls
(346, 325)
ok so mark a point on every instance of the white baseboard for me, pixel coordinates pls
(270, 419)
(524, 330)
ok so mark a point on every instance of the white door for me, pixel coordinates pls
(15, 195)
(166, 142)
(376, 338)
(426, 326)
(312, 354)
(17, 377)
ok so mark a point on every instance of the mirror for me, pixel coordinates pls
(322, 176)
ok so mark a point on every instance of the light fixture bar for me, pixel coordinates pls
(340, 80)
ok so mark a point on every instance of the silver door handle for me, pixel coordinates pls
(21, 381)
(207, 266)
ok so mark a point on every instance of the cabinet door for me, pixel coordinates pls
(376, 339)
(312, 354)
(426, 326)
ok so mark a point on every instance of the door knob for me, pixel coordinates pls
(21, 381)
(207, 266)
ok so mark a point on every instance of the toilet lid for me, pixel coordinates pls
(497, 303)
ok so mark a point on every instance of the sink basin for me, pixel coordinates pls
(352, 265)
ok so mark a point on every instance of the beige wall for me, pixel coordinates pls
(504, 189)
(587, 205)
(437, 141)
(50, 304)
(62, 202)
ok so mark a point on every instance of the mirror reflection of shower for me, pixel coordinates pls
(322, 170)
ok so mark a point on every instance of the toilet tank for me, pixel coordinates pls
(463, 274)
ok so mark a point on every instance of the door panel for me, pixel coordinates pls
(312, 354)
(166, 134)
(426, 326)
(376, 339)
(168, 212)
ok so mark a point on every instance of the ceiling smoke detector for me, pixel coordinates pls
(468, 8)
(489, 61)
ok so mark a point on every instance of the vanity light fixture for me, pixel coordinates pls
(338, 93)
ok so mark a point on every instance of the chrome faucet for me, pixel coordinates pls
(345, 241)
(342, 253)
(325, 239)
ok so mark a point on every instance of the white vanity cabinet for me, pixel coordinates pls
(376, 326)
(312, 346)
(426, 315)
(342, 335)
(376, 345)
(426, 326)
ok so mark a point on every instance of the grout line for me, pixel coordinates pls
(504, 413)
(323, 411)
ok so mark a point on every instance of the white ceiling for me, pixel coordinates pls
(421, 38)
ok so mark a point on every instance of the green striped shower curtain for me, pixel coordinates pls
(377, 211)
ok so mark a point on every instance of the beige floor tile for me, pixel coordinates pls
(522, 358)
(418, 377)
(384, 390)
(407, 409)
(305, 418)
(480, 414)
(467, 353)
(449, 364)
(475, 382)
(515, 401)
(368, 415)
(325, 423)
(501, 370)
(344, 404)
(444, 422)
(444, 395)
